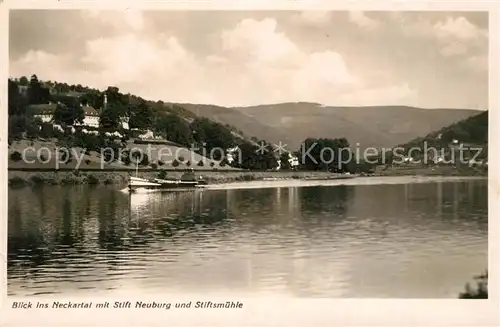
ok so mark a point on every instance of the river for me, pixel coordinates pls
(358, 239)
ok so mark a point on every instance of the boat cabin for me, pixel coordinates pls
(190, 176)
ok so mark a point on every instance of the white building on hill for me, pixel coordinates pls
(293, 161)
(91, 117)
(45, 112)
(230, 156)
(149, 135)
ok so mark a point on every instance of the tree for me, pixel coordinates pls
(110, 117)
(117, 106)
(285, 165)
(36, 93)
(326, 154)
(65, 155)
(16, 102)
(16, 156)
(213, 135)
(162, 174)
(68, 115)
(114, 96)
(61, 87)
(93, 98)
(481, 292)
(253, 158)
(19, 124)
(24, 81)
(141, 116)
(175, 128)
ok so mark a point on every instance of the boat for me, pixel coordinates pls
(188, 181)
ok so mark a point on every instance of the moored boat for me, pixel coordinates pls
(188, 181)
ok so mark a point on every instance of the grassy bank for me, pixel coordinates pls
(431, 171)
(43, 155)
(68, 177)
(23, 178)
(19, 178)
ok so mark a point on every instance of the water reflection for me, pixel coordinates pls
(408, 240)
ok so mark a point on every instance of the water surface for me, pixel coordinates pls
(394, 240)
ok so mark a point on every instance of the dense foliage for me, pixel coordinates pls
(480, 292)
(473, 130)
(326, 154)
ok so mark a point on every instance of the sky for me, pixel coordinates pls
(244, 58)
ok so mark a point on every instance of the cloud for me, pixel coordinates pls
(260, 40)
(280, 68)
(381, 95)
(458, 37)
(362, 20)
(253, 58)
(458, 28)
(453, 49)
(477, 63)
(129, 57)
(126, 60)
(129, 19)
(453, 36)
(314, 17)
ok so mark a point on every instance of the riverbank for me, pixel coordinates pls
(21, 178)
(17, 178)
(444, 170)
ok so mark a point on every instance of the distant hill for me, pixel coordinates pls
(248, 125)
(291, 123)
(472, 130)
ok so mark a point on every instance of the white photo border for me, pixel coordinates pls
(269, 311)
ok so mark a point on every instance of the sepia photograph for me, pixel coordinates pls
(300, 154)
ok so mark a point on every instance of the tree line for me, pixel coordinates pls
(170, 121)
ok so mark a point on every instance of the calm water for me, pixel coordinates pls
(406, 240)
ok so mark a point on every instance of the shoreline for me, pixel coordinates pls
(19, 178)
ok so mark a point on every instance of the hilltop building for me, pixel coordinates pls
(91, 117)
(149, 135)
(293, 161)
(230, 156)
(45, 112)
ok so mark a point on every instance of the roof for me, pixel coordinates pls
(90, 111)
(42, 109)
(50, 108)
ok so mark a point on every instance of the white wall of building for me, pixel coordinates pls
(91, 121)
(124, 122)
(44, 118)
(88, 120)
